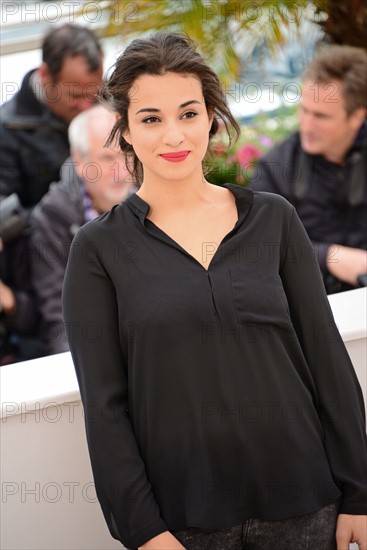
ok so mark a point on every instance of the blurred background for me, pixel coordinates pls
(258, 47)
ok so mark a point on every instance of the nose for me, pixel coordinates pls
(173, 135)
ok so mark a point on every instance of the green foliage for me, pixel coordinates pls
(223, 29)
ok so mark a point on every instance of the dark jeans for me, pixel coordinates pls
(314, 531)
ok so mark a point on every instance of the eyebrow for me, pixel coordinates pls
(182, 106)
(317, 113)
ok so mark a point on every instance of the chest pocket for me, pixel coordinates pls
(259, 296)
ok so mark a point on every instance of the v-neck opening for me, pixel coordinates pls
(180, 247)
(241, 195)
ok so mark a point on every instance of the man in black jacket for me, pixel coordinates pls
(33, 130)
(93, 180)
(322, 169)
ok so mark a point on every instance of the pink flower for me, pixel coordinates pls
(266, 141)
(247, 154)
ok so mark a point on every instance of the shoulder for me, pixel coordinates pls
(9, 109)
(272, 201)
(108, 226)
(271, 218)
(62, 204)
(8, 112)
(101, 240)
(260, 199)
(262, 204)
(24, 111)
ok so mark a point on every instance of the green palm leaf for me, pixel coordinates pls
(221, 27)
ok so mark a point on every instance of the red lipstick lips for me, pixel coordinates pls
(179, 156)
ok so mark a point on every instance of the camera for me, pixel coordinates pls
(13, 218)
(362, 280)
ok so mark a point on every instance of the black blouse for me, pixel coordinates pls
(211, 396)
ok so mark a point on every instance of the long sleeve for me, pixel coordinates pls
(340, 402)
(90, 312)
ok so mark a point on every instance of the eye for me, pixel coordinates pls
(189, 114)
(150, 120)
(322, 115)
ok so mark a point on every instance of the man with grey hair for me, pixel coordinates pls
(93, 180)
(322, 169)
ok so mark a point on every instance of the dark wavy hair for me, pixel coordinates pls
(156, 55)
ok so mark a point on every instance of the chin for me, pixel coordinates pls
(311, 148)
(118, 197)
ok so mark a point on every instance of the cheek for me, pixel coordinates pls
(78, 167)
(333, 132)
(104, 183)
(205, 136)
(64, 96)
(143, 143)
(93, 173)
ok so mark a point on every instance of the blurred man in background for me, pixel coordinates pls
(93, 180)
(322, 169)
(33, 130)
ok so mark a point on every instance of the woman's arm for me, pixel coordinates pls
(340, 402)
(91, 320)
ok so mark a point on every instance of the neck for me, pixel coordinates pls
(338, 156)
(169, 195)
(335, 159)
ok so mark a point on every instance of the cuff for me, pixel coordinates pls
(147, 534)
(321, 251)
(353, 508)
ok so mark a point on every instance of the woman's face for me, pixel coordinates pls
(168, 126)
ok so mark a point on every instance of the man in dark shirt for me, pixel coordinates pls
(33, 131)
(322, 169)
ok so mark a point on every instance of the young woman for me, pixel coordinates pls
(222, 410)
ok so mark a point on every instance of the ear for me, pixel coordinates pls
(126, 135)
(44, 74)
(210, 118)
(358, 117)
(78, 162)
